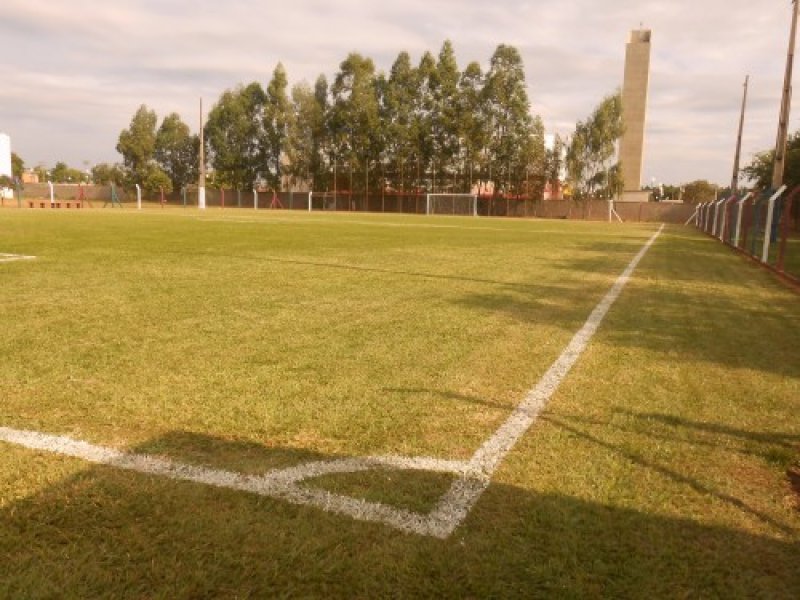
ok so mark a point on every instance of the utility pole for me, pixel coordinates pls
(786, 100)
(735, 178)
(201, 184)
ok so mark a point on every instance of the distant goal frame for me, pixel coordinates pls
(430, 204)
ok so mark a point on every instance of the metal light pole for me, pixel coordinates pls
(786, 100)
(201, 184)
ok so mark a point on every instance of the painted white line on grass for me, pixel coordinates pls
(472, 477)
(285, 484)
(4, 258)
(489, 456)
(301, 219)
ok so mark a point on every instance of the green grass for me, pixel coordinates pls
(250, 342)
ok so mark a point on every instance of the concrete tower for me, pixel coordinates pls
(5, 155)
(634, 109)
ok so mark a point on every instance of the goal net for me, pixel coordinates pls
(452, 204)
(323, 201)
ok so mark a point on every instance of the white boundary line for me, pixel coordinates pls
(4, 258)
(472, 477)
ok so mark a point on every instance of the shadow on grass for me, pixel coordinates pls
(111, 533)
(665, 471)
(780, 439)
(688, 301)
(449, 395)
(774, 447)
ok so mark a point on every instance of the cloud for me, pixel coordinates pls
(75, 72)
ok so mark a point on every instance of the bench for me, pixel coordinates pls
(55, 204)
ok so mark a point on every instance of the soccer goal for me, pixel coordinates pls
(452, 204)
(322, 201)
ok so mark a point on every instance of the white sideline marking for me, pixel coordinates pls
(4, 258)
(473, 476)
(301, 219)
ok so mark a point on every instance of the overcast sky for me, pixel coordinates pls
(73, 72)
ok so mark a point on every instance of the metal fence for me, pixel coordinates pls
(762, 225)
(345, 201)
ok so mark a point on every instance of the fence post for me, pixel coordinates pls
(786, 216)
(740, 209)
(768, 224)
(138, 197)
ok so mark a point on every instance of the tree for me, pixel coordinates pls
(759, 171)
(42, 173)
(397, 105)
(593, 145)
(302, 144)
(444, 115)
(554, 162)
(355, 120)
(137, 144)
(277, 120)
(699, 191)
(511, 131)
(154, 179)
(105, 174)
(62, 173)
(17, 166)
(322, 137)
(177, 151)
(235, 136)
(423, 106)
(472, 118)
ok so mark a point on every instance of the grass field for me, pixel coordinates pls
(251, 342)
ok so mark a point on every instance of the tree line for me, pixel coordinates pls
(429, 126)
(424, 127)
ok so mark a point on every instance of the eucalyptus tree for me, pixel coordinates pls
(424, 105)
(444, 116)
(306, 143)
(354, 119)
(235, 136)
(473, 130)
(511, 127)
(323, 141)
(593, 145)
(277, 120)
(177, 151)
(397, 105)
(137, 143)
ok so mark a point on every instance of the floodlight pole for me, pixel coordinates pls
(735, 178)
(201, 184)
(786, 99)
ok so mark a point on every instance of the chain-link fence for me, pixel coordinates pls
(763, 225)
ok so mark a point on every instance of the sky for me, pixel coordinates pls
(73, 72)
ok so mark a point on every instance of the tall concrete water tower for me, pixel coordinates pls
(634, 111)
(5, 155)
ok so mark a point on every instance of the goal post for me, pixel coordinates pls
(451, 204)
(324, 201)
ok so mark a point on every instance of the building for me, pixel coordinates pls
(5, 155)
(634, 111)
